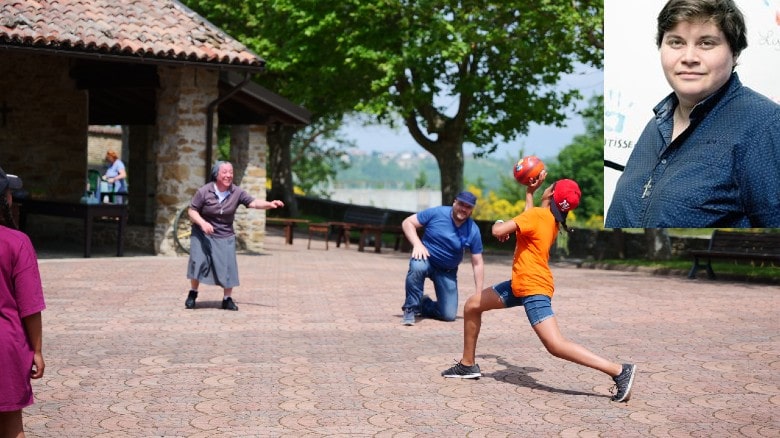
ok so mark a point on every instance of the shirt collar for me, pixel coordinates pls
(214, 188)
(665, 108)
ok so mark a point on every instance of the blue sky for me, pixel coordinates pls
(544, 141)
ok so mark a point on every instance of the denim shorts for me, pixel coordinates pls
(537, 307)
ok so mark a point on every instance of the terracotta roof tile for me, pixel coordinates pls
(161, 29)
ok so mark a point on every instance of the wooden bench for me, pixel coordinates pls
(369, 222)
(732, 245)
(319, 227)
(288, 224)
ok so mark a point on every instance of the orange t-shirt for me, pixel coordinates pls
(536, 233)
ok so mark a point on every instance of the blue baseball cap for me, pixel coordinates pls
(467, 198)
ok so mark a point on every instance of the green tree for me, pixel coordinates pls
(582, 161)
(318, 153)
(421, 181)
(491, 207)
(481, 72)
(313, 57)
(452, 71)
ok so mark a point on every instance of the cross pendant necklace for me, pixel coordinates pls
(647, 187)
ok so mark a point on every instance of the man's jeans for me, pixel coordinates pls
(445, 283)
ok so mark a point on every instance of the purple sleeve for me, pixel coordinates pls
(28, 290)
(245, 199)
(197, 200)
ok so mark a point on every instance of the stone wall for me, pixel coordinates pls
(100, 140)
(44, 125)
(180, 143)
(250, 162)
(43, 135)
(139, 147)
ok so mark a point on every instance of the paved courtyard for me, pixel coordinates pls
(317, 350)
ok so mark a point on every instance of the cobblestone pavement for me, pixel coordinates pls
(317, 349)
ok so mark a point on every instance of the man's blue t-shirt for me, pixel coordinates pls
(445, 242)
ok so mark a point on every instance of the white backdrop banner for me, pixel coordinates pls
(634, 82)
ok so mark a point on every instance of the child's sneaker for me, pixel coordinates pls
(460, 371)
(623, 382)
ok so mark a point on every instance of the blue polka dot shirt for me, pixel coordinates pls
(723, 171)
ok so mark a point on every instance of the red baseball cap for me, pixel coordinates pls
(566, 197)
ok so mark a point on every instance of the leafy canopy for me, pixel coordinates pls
(452, 71)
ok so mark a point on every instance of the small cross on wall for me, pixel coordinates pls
(4, 111)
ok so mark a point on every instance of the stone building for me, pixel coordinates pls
(156, 69)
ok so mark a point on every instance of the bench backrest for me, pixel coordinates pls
(369, 216)
(748, 243)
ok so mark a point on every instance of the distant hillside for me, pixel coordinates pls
(403, 170)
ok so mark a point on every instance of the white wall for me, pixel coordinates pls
(402, 200)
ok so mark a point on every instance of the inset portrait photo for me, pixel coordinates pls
(692, 114)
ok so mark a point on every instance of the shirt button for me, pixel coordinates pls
(663, 161)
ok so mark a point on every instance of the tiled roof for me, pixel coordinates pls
(149, 29)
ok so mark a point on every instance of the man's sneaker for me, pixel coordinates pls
(460, 371)
(190, 301)
(228, 304)
(408, 317)
(623, 383)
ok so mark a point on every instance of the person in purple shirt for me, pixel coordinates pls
(449, 231)
(21, 327)
(711, 155)
(213, 242)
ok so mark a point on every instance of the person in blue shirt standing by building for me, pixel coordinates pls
(449, 231)
(116, 176)
(711, 155)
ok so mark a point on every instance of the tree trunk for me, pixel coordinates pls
(659, 246)
(280, 168)
(449, 156)
(447, 148)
